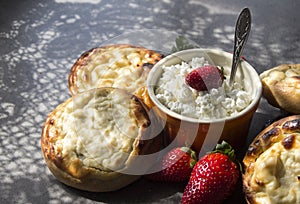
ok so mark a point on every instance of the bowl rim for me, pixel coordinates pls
(167, 111)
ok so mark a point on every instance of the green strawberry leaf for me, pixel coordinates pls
(225, 148)
(182, 43)
(192, 153)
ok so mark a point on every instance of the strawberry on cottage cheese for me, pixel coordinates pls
(221, 102)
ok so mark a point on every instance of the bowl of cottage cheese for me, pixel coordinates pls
(203, 118)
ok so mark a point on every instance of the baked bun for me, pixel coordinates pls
(94, 140)
(120, 66)
(281, 87)
(272, 164)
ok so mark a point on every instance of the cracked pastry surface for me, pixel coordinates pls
(90, 141)
(281, 87)
(120, 66)
(272, 164)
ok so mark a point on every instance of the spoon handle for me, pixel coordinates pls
(242, 30)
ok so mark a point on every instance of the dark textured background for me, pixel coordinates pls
(40, 40)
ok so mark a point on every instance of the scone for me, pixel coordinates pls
(272, 164)
(94, 141)
(120, 66)
(281, 87)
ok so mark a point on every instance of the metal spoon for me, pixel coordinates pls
(242, 30)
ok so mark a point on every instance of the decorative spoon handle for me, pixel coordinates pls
(242, 30)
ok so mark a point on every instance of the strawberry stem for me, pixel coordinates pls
(222, 71)
(192, 153)
(226, 148)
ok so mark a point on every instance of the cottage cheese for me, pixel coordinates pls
(174, 93)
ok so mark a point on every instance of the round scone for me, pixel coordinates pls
(120, 66)
(272, 164)
(281, 87)
(94, 141)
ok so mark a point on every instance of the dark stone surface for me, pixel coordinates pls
(40, 40)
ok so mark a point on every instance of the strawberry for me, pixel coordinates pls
(176, 165)
(213, 178)
(205, 78)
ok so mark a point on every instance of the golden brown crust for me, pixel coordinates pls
(284, 132)
(72, 171)
(281, 87)
(112, 57)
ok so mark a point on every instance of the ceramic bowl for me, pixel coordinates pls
(204, 134)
